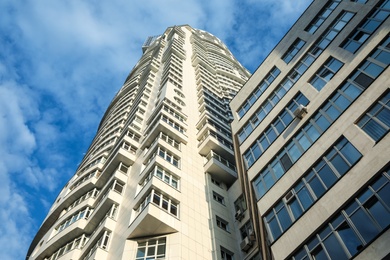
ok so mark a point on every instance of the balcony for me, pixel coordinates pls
(221, 168)
(153, 221)
(124, 154)
(164, 127)
(211, 141)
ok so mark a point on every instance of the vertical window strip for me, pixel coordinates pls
(326, 73)
(263, 85)
(321, 17)
(321, 176)
(274, 130)
(294, 75)
(293, 50)
(376, 121)
(367, 27)
(355, 226)
(321, 120)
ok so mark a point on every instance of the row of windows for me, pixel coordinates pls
(84, 213)
(101, 243)
(163, 175)
(275, 129)
(90, 194)
(172, 123)
(355, 226)
(321, 17)
(160, 201)
(298, 70)
(359, 80)
(261, 87)
(324, 174)
(367, 27)
(77, 243)
(326, 73)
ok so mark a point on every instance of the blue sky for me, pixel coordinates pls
(61, 63)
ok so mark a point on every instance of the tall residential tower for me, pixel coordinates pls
(153, 183)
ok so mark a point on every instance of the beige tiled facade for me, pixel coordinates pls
(300, 197)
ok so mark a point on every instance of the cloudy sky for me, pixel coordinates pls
(61, 63)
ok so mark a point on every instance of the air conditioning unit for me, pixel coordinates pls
(300, 112)
(246, 244)
(239, 215)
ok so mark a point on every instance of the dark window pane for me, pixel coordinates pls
(384, 116)
(322, 122)
(378, 211)
(374, 130)
(274, 228)
(364, 225)
(340, 165)
(284, 218)
(334, 248)
(363, 80)
(305, 198)
(384, 193)
(295, 208)
(286, 162)
(350, 153)
(351, 241)
(327, 176)
(316, 186)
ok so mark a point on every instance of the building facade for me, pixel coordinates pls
(311, 138)
(154, 181)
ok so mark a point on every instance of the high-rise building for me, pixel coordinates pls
(153, 183)
(311, 138)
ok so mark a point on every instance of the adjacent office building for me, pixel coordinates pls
(295, 166)
(311, 136)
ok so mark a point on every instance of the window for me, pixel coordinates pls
(216, 183)
(376, 121)
(354, 226)
(161, 201)
(320, 177)
(321, 17)
(82, 214)
(151, 249)
(169, 157)
(367, 27)
(170, 140)
(326, 73)
(240, 204)
(226, 254)
(219, 198)
(293, 50)
(223, 224)
(246, 230)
